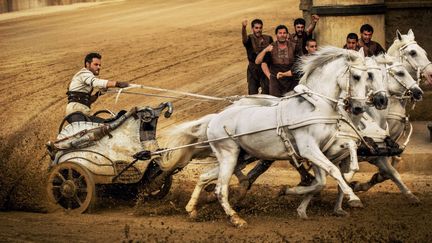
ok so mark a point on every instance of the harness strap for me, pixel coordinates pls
(284, 136)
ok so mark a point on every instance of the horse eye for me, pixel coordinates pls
(400, 74)
(413, 53)
(370, 76)
(356, 77)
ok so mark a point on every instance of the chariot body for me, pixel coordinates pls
(89, 155)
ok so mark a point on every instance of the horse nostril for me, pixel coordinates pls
(357, 110)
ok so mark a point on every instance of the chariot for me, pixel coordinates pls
(88, 155)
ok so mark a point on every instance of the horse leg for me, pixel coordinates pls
(317, 185)
(227, 162)
(395, 160)
(390, 172)
(312, 152)
(345, 167)
(242, 179)
(386, 171)
(204, 180)
(301, 210)
(320, 178)
(305, 177)
(261, 167)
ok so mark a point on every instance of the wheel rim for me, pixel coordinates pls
(71, 187)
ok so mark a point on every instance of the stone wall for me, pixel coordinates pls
(16, 5)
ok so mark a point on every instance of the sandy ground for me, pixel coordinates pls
(187, 45)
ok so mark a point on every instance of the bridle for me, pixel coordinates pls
(407, 93)
(373, 92)
(411, 61)
(348, 89)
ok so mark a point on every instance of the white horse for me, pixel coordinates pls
(311, 126)
(347, 138)
(411, 55)
(399, 82)
(415, 60)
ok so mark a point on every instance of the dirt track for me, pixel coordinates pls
(188, 45)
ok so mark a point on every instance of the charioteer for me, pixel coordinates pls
(80, 89)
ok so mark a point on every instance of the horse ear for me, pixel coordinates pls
(381, 58)
(410, 34)
(361, 52)
(398, 35)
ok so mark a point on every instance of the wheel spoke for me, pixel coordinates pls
(69, 203)
(78, 200)
(59, 198)
(79, 180)
(58, 174)
(70, 174)
(82, 189)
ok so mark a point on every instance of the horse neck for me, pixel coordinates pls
(379, 116)
(325, 80)
(396, 105)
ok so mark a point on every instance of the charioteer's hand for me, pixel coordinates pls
(121, 84)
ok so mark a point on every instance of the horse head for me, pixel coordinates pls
(411, 55)
(354, 84)
(376, 84)
(399, 81)
(336, 73)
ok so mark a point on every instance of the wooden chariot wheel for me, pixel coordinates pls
(71, 187)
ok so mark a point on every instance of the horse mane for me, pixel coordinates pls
(327, 54)
(383, 58)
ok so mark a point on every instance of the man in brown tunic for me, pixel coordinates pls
(370, 47)
(302, 34)
(254, 44)
(280, 57)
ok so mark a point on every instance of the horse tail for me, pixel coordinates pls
(183, 134)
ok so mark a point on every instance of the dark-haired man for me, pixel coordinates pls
(280, 57)
(301, 34)
(81, 87)
(352, 42)
(254, 44)
(370, 47)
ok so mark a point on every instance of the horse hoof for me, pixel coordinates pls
(413, 200)
(282, 191)
(355, 203)
(302, 214)
(193, 214)
(355, 185)
(237, 221)
(341, 213)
